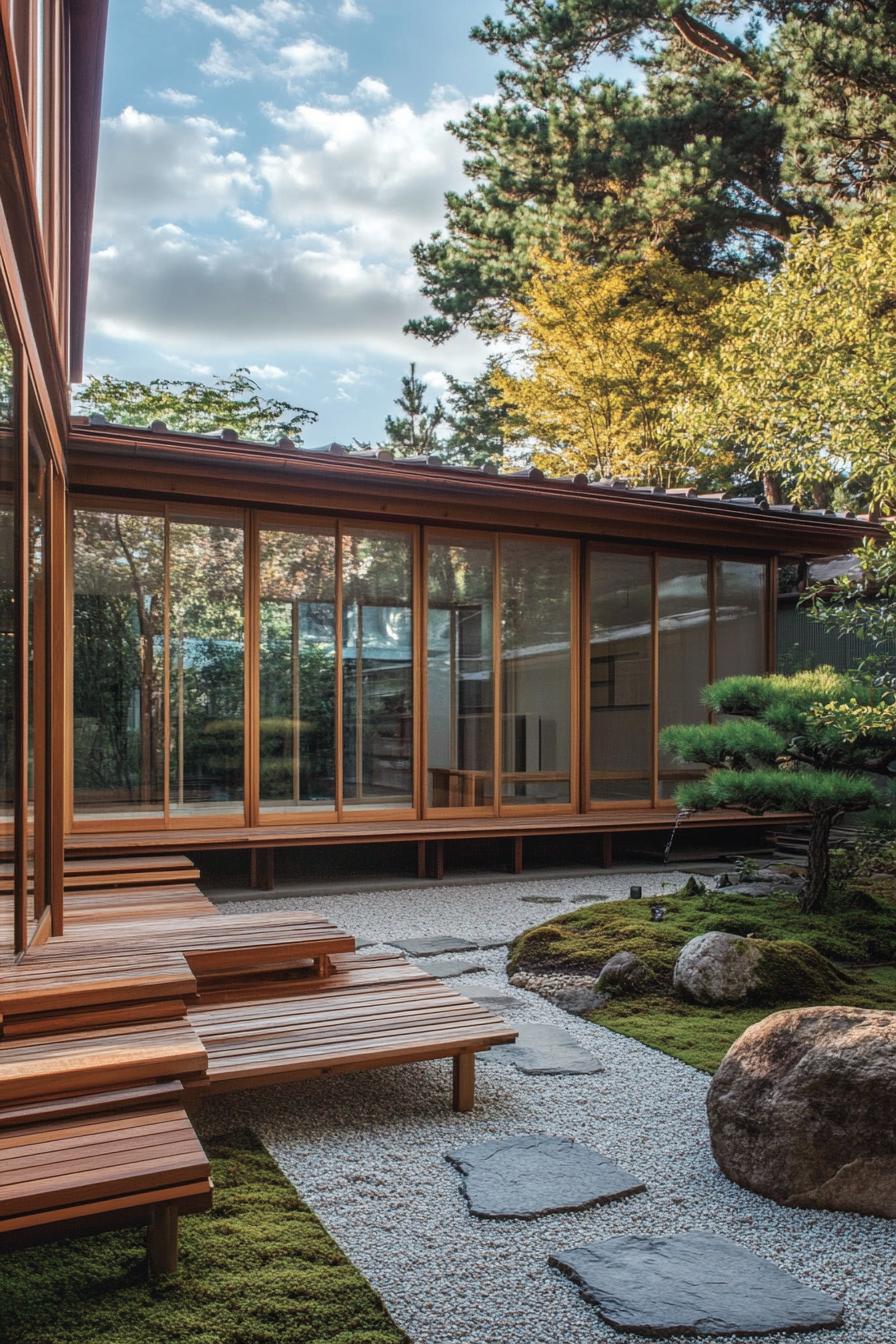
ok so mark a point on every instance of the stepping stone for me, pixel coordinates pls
(444, 969)
(593, 898)
(495, 940)
(695, 1283)
(543, 900)
(433, 947)
(544, 1048)
(366, 942)
(534, 1174)
(496, 1003)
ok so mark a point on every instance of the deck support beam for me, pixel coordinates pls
(161, 1241)
(435, 862)
(464, 1081)
(516, 854)
(261, 869)
(606, 849)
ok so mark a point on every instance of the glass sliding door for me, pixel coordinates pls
(460, 691)
(7, 583)
(297, 669)
(118, 629)
(377, 669)
(205, 666)
(741, 628)
(683, 599)
(620, 667)
(536, 587)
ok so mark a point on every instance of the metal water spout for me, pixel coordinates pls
(679, 818)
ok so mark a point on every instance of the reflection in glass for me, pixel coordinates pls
(683, 653)
(536, 589)
(377, 669)
(459, 674)
(620, 676)
(7, 580)
(740, 618)
(297, 669)
(118, 584)
(206, 666)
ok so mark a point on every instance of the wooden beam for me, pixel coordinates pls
(464, 1082)
(261, 869)
(516, 855)
(161, 1241)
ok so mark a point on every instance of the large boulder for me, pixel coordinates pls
(803, 1109)
(719, 968)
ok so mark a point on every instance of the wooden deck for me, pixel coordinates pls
(152, 1000)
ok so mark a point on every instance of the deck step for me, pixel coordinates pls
(98, 1059)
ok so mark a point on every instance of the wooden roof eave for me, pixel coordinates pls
(145, 465)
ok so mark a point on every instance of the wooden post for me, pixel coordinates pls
(161, 1241)
(516, 857)
(464, 1081)
(421, 858)
(261, 869)
(435, 866)
(606, 850)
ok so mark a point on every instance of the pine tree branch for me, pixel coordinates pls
(708, 42)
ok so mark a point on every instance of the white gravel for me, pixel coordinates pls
(366, 1151)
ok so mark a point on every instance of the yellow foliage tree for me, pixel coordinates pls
(605, 356)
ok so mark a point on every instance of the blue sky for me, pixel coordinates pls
(264, 169)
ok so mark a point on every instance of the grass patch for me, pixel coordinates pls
(259, 1269)
(861, 930)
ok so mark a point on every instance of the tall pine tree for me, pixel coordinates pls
(727, 139)
(416, 429)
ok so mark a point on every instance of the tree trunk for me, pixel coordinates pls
(772, 487)
(815, 892)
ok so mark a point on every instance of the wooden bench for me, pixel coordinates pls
(235, 945)
(133, 870)
(140, 903)
(372, 1012)
(92, 1172)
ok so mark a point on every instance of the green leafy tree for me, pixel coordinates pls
(481, 424)
(803, 376)
(864, 605)
(231, 402)
(746, 118)
(785, 745)
(416, 429)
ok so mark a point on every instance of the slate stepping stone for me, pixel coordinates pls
(444, 969)
(495, 940)
(533, 1174)
(366, 942)
(543, 900)
(542, 1048)
(593, 897)
(496, 1003)
(694, 1283)
(433, 947)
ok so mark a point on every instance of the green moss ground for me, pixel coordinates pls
(259, 1269)
(856, 932)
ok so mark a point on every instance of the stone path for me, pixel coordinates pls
(545, 1049)
(530, 1175)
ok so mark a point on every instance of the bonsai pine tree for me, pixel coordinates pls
(805, 743)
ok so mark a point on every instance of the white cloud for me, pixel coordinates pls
(176, 98)
(378, 180)
(248, 220)
(351, 11)
(269, 372)
(307, 57)
(371, 90)
(435, 379)
(246, 25)
(222, 68)
(155, 168)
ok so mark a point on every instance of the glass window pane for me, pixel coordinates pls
(37, 649)
(536, 598)
(7, 590)
(297, 669)
(377, 669)
(683, 653)
(118, 663)
(740, 618)
(620, 676)
(206, 666)
(459, 674)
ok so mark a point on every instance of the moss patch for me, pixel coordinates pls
(797, 963)
(259, 1269)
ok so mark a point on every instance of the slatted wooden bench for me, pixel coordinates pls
(43, 996)
(372, 1012)
(91, 1172)
(235, 945)
(125, 871)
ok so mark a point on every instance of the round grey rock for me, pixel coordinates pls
(534, 1174)
(623, 972)
(717, 968)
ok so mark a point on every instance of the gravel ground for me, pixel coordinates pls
(367, 1153)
